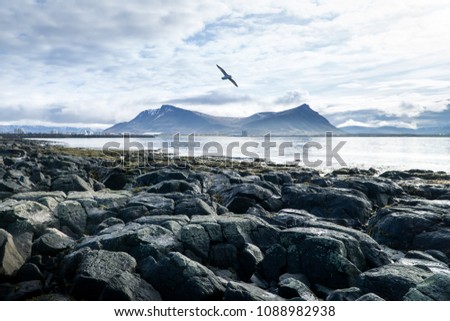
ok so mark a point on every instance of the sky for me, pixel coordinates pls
(96, 63)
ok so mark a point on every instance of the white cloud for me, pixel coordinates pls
(105, 61)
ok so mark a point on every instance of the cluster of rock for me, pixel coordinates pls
(78, 228)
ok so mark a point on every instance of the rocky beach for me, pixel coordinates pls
(76, 225)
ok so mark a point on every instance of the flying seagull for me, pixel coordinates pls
(226, 76)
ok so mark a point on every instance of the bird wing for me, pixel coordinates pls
(232, 80)
(223, 71)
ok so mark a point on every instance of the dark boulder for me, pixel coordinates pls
(434, 240)
(274, 262)
(393, 281)
(128, 287)
(138, 240)
(278, 178)
(52, 242)
(344, 206)
(20, 291)
(29, 272)
(242, 229)
(338, 254)
(414, 174)
(436, 287)
(116, 179)
(196, 239)
(156, 204)
(173, 186)
(250, 259)
(70, 183)
(178, 278)
(247, 292)
(160, 176)
(380, 191)
(193, 206)
(87, 273)
(173, 223)
(369, 297)
(290, 288)
(11, 187)
(428, 191)
(130, 213)
(350, 294)
(72, 215)
(240, 198)
(412, 224)
(224, 255)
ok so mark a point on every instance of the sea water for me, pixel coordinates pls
(383, 153)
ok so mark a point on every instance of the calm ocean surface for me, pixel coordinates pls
(383, 153)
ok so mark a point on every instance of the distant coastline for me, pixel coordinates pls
(108, 135)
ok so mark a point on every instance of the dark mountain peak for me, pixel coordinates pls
(302, 108)
(169, 108)
(168, 119)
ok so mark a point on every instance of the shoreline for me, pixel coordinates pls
(193, 229)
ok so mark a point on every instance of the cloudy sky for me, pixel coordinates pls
(92, 63)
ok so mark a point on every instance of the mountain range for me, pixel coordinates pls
(392, 130)
(301, 120)
(26, 129)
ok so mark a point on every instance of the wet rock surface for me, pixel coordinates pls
(79, 227)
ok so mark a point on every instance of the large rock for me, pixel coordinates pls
(434, 240)
(194, 206)
(72, 215)
(413, 224)
(292, 288)
(173, 186)
(278, 178)
(436, 287)
(380, 191)
(224, 255)
(250, 259)
(345, 206)
(37, 196)
(106, 199)
(349, 294)
(240, 198)
(196, 239)
(178, 278)
(338, 254)
(116, 179)
(370, 297)
(10, 259)
(20, 291)
(28, 213)
(242, 229)
(129, 287)
(131, 213)
(247, 292)
(160, 176)
(70, 183)
(428, 191)
(275, 262)
(393, 281)
(173, 223)
(87, 273)
(156, 204)
(52, 242)
(374, 254)
(11, 187)
(415, 174)
(136, 239)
